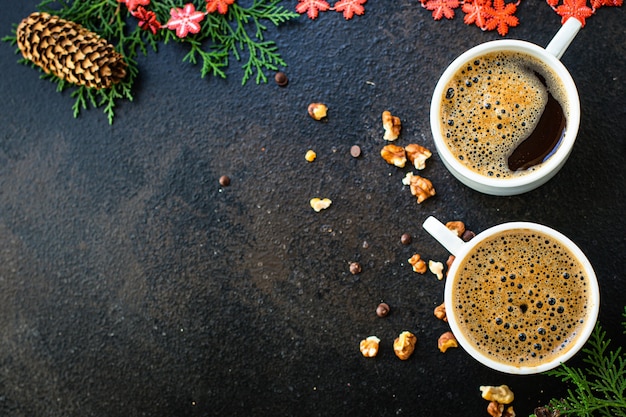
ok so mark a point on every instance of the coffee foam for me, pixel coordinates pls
(521, 297)
(496, 104)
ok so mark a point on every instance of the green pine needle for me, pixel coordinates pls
(239, 33)
(599, 388)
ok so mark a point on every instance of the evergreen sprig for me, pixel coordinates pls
(239, 34)
(599, 387)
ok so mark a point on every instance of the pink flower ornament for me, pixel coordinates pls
(184, 21)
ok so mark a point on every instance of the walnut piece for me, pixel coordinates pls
(404, 345)
(310, 155)
(392, 126)
(394, 155)
(440, 312)
(319, 204)
(369, 346)
(446, 341)
(501, 394)
(317, 110)
(417, 155)
(420, 187)
(457, 227)
(495, 409)
(436, 268)
(419, 265)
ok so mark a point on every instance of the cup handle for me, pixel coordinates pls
(564, 37)
(443, 235)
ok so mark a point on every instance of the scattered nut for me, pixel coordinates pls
(369, 346)
(457, 227)
(404, 345)
(319, 204)
(392, 125)
(501, 394)
(310, 155)
(406, 239)
(382, 310)
(355, 268)
(436, 268)
(394, 155)
(421, 187)
(446, 341)
(451, 259)
(417, 155)
(224, 180)
(317, 110)
(419, 265)
(495, 409)
(468, 235)
(440, 312)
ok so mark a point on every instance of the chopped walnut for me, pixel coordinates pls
(446, 341)
(404, 345)
(310, 155)
(436, 268)
(449, 262)
(317, 110)
(440, 312)
(421, 187)
(495, 409)
(501, 394)
(457, 227)
(369, 346)
(319, 204)
(392, 126)
(417, 155)
(419, 265)
(394, 155)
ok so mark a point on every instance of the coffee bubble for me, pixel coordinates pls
(521, 297)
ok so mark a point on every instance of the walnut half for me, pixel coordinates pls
(392, 126)
(394, 155)
(417, 155)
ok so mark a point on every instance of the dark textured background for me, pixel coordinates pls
(132, 284)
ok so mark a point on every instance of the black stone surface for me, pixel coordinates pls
(133, 284)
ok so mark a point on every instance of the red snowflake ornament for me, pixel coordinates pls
(502, 16)
(312, 7)
(441, 8)
(476, 13)
(221, 6)
(574, 8)
(147, 19)
(350, 7)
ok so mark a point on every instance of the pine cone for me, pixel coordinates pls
(70, 51)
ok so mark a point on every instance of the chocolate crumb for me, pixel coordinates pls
(382, 310)
(406, 239)
(224, 180)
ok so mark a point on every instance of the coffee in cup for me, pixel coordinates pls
(502, 114)
(505, 114)
(520, 297)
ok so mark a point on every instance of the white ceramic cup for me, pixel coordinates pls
(460, 249)
(549, 56)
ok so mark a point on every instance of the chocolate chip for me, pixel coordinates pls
(355, 268)
(224, 181)
(468, 235)
(382, 310)
(355, 151)
(406, 239)
(281, 79)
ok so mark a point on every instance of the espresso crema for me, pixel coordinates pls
(521, 297)
(499, 103)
